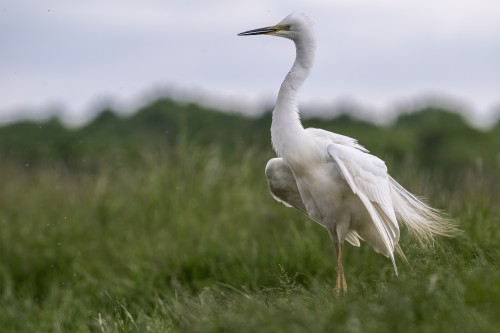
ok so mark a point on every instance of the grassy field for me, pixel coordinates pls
(188, 239)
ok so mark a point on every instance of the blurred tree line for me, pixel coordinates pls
(430, 138)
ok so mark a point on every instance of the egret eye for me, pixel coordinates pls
(288, 27)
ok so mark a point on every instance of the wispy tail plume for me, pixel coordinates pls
(423, 221)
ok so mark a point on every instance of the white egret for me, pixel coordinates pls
(330, 177)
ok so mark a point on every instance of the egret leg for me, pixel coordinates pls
(340, 285)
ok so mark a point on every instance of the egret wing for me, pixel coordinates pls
(368, 179)
(282, 184)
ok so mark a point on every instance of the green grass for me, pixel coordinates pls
(188, 239)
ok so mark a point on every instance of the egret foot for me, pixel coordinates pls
(340, 285)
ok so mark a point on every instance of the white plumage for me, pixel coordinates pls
(330, 177)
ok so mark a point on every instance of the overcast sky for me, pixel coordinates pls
(74, 56)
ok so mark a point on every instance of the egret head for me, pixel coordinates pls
(295, 26)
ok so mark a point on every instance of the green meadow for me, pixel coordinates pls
(161, 221)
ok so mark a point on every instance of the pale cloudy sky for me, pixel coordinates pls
(73, 56)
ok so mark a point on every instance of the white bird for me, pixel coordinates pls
(330, 177)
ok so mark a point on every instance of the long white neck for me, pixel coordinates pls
(286, 128)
